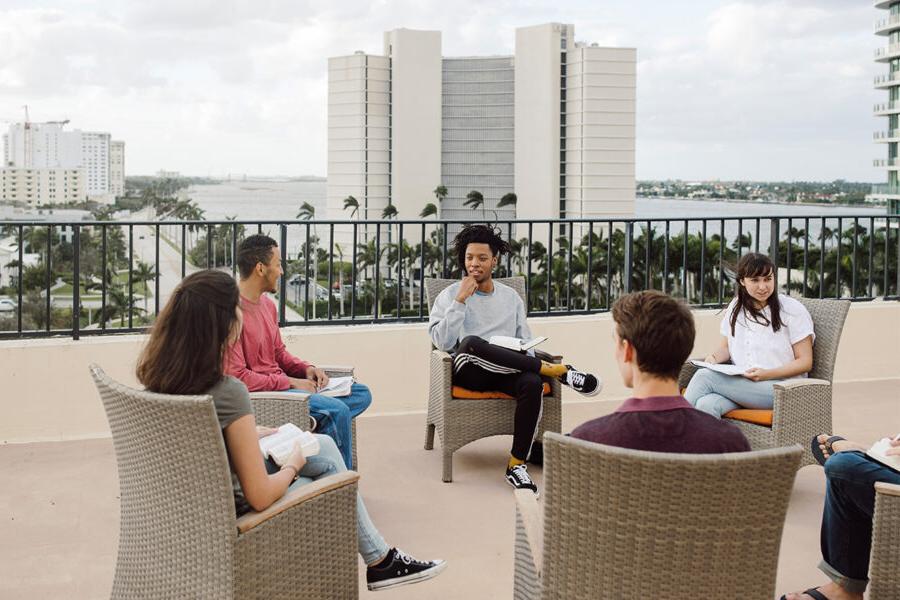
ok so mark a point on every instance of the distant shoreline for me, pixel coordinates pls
(745, 201)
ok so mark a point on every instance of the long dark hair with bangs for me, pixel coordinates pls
(755, 265)
(186, 349)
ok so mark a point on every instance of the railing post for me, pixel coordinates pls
(76, 283)
(773, 246)
(282, 288)
(629, 247)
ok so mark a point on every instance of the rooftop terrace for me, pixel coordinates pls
(59, 504)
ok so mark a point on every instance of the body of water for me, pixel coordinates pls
(281, 200)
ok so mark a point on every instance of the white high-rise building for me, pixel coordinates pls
(47, 146)
(889, 55)
(553, 124)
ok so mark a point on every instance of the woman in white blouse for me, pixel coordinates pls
(768, 335)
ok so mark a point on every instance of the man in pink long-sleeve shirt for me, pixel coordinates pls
(261, 361)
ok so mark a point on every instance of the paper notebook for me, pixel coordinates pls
(877, 453)
(726, 369)
(514, 343)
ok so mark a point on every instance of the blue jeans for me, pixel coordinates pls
(846, 536)
(333, 416)
(329, 461)
(716, 393)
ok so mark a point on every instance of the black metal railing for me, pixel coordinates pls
(341, 272)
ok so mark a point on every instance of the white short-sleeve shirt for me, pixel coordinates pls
(758, 345)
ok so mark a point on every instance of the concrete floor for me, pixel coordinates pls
(59, 505)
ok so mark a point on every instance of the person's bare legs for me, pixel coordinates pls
(838, 446)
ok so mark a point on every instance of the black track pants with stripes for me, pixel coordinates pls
(482, 367)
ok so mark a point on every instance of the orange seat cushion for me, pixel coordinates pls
(757, 417)
(464, 394)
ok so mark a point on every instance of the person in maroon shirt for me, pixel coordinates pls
(654, 335)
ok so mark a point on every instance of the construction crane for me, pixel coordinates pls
(28, 141)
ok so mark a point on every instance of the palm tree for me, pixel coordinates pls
(143, 273)
(351, 202)
(509, 199)
(389, 212)
(307, 212)
(440, 192)
(430, 210)
(119, 305)
(474, 200)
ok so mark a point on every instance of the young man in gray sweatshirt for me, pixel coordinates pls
(466, 314)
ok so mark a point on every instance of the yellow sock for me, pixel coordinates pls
(552, 369)
(513, 462)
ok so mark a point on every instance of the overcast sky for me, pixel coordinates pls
(762, 89)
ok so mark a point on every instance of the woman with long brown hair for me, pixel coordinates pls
(185, 355)
(768, 335)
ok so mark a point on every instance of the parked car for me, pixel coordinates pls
(7, 305)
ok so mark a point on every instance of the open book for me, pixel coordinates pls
(877, 453)
(514, 343)
(279, 446)
(726, 369)
(337, 387)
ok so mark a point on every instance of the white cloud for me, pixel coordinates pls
(761, 89)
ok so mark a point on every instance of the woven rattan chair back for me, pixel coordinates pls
(433, 287)
(177, 505)
(828, 318)
(623, 523)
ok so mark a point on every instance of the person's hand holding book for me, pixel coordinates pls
(262, 432)
(894, 449)
(317, 376)
(304, 385)
(296, 460)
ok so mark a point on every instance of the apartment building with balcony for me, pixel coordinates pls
(48, 147)
(36, 187)
(888, 27)
(554, 123)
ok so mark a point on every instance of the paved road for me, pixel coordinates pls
(169, 260)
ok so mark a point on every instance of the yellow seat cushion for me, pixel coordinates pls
(757, 417)
(462, 393)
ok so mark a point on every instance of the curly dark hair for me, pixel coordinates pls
(478, 234)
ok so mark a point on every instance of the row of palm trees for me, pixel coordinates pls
(474, 200)
(590, 271)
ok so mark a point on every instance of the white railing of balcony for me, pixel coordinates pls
(886, 189)
(886, 135)
(889, 22)
(883, 53)
(887, 106)
(890, 78)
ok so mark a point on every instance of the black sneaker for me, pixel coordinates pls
(536, 456)
(519, 478)
(583, 383)
(399, 568)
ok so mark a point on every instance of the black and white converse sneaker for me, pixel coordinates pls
(583, 383)
(399, 568)
(519, 478)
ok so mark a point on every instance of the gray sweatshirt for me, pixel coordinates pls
(499, 313)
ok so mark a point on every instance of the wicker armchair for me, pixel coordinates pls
(802, 406)
(618, 523)
(179, 537)
(460, 421)
(884, 574)
(273, 409)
